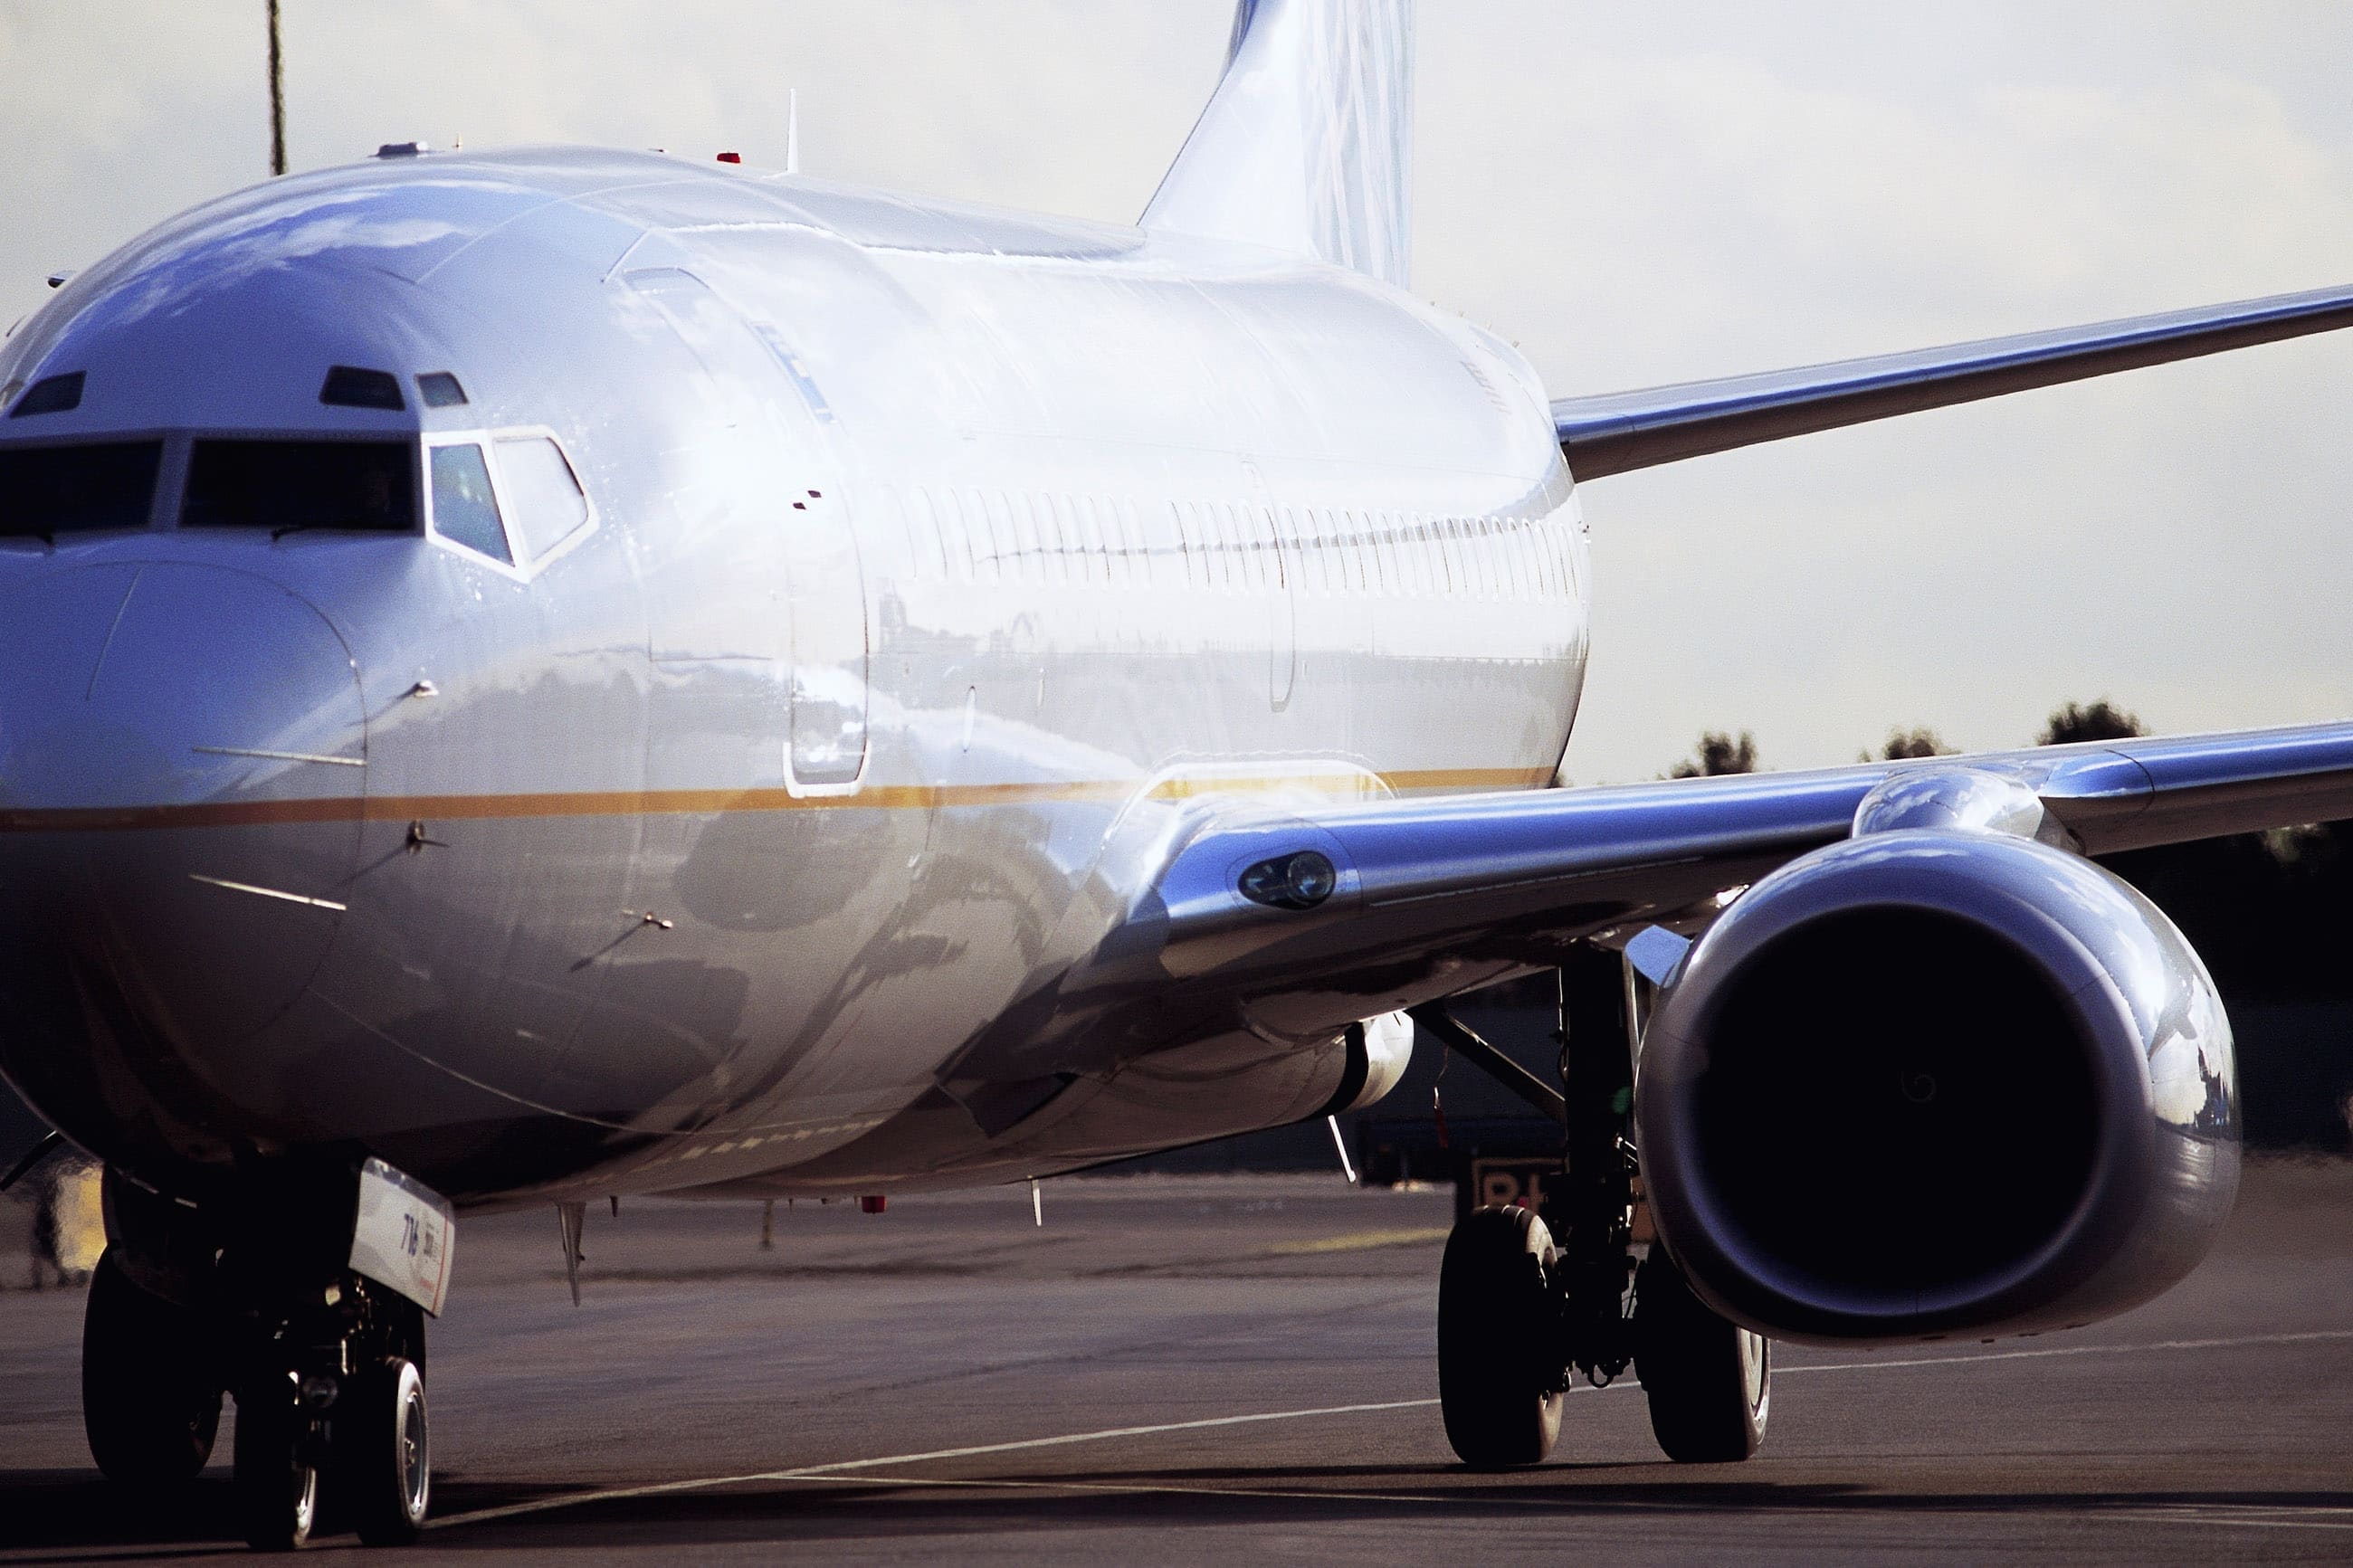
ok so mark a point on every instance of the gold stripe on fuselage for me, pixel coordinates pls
(726, 802)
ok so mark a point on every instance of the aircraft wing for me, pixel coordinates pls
(1476, 886)
(1625, 430)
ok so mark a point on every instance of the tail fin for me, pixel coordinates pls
(1308, 144)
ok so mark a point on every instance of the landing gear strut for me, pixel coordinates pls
(1525, 1302)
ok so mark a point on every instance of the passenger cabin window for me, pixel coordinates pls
(49, 490)
(1025, 526)
(1119, 537)
(1164, 546)
(964, 566)
(285, 486)
(1218, 523)
(1061, 541)
(1088, 527)
(464, 510)
(542, 491)
(925, 522)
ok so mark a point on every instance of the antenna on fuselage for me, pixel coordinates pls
(276, 98)
(792, 129)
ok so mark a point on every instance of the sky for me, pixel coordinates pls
(1634, 194)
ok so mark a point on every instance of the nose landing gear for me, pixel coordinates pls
(276, 1478)
(386, 1471)
(331, 1423)
(252, 1295)
(1521, 1313)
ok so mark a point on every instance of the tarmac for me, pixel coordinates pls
(1182, 1369)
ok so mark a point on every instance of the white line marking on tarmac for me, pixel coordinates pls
(841, 1466)
(2316, 1335)
(2237, 1516)
(845, 1469)
(1148, 1488)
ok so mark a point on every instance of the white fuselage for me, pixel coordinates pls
(944, 566)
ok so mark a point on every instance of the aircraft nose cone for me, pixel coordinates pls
(170, 695)
(182, 763)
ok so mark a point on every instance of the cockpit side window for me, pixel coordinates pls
(543, 493)
(465, 509)
(285, 486)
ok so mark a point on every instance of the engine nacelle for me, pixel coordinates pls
(1929, 1083)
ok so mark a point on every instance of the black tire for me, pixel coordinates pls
(383, 1477)
(1708, 1379)
(1498, 1340)
(151, 1398)
(407, 1332)
(276, 1485)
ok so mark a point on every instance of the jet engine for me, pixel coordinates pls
(1933, 1082)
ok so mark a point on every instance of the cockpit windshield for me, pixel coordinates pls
(288, 486)
(49, 490)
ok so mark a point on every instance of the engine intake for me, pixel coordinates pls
(1928, 1082)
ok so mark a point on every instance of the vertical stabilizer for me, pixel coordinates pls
(1308, 144)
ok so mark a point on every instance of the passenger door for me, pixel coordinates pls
(819, 634)
(825, 589)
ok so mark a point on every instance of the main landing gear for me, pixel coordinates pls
(327, 1369)
(1709, 1381)
(1528, 1301)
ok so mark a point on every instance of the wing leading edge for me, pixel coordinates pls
(1617, 432)
(1473, 886)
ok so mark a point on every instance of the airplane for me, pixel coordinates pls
(556, 674)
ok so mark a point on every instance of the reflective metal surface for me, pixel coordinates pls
(1429, 887)
(1308, 145)
(754, 826)
(850, 654)
(1620, 431)
(2004, 1073)
(1978, 798)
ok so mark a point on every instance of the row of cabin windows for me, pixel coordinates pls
(996, 536)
